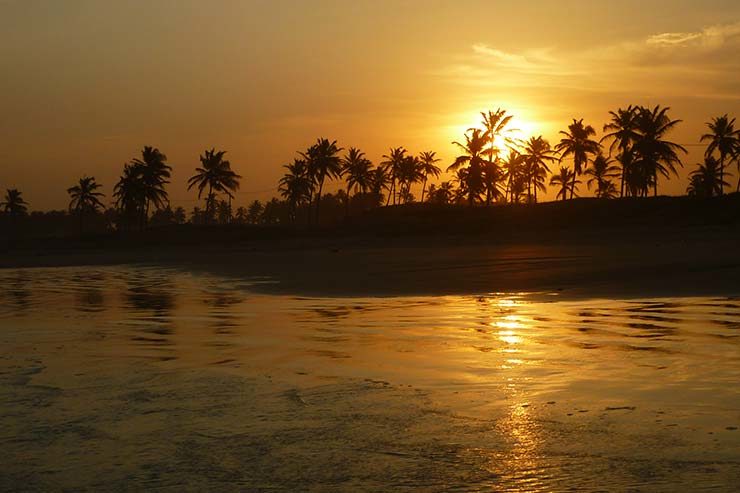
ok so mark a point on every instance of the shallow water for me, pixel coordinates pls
(120, 378)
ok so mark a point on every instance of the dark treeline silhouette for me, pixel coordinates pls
(493, 168)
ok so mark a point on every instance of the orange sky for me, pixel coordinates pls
(86, 83)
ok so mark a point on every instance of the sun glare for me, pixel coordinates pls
(520, 128)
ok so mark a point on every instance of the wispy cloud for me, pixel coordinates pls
(705, 62)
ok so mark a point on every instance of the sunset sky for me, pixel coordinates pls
(84, 84)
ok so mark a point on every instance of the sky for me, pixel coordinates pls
(85, 84)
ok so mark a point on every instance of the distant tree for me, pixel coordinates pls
(600, 173)
(653, 154)
(323, 163)
(706, 179)
(130, 195)
(622, 131)
(295, 186)
(85, 198)
(442, 194)
(495, 123)
(577, 142)
(254, 213)
(154, 173)
(473, 160)
(724, 139)
(179, 216)
(357, 170)
(410, 172)
(428, 161)
(241, 215)
(223, 212)
(393, 163)
(536, 153)
(379, 180)
(515, 176)
(216, 175)
(565, 181)
(13, 203)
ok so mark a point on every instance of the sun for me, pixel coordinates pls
(518, 130)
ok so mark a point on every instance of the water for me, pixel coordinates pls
(121, 378)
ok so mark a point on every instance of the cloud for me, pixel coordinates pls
(703, 63)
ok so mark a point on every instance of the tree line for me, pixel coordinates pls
(492, 168)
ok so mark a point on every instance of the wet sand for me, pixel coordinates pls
(616, 264)
(129, 378)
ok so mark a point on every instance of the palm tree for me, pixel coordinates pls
(130, 194)
(536, 154)
(577, 142)
(601, 172)
(216, 174)
(295, 186)
(495, 123)
(358, 172)
(323, 162)
(241, 215)
(428, 160)
(379, 180)
(566, 181)
(255, 212)
(410, 172)
(473, 148)
(13, 203)
(393, 162)
(706, 180)
(85, 197)
(154, 173)
(514, 171)
(725, 139)
(623, 134)
(654, 154)
(442, 194)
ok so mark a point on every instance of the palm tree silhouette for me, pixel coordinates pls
(393, 162)
(130, 193)
(409, 172)
(428, 160)
(494, 122)
(295, 186)
(13, 203)
(255, 212)
(725, 139)
(85, 197)
(623, 134)
(473, 149)
(216, 174)
(536, 154)
(514, 171)
(654, 154)
(323, 162)
(566, 181)
(154, 172)
(706, 180)
(357, 170)
(601, 172)
(379, 180)
(577, 142)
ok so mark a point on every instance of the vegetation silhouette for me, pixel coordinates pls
(725, 140)
(215, 173)
(85, 198)
(492, 169)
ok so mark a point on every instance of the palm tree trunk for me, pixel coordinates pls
(347, 200)
(722, 173)
(621, 190)
(423, 189)
(573, 184)
(318, 200)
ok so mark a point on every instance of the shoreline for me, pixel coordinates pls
(686, 262)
